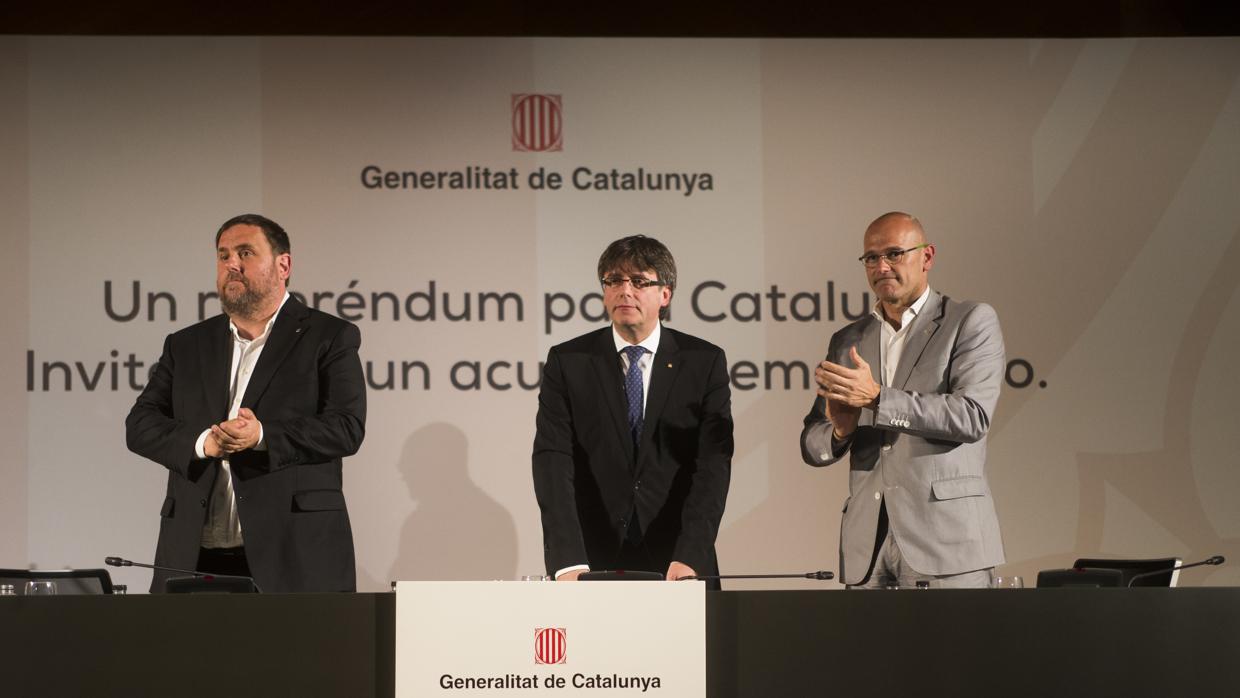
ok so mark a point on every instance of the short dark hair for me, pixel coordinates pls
(276, 237)
(638, 253)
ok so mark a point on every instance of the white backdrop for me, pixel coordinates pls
(1086, 189)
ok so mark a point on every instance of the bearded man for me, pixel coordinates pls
(251, 412)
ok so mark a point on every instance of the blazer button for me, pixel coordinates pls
(637, 485)
(886, 447)
(878, 495)
(203, 502)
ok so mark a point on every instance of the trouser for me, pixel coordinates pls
(888, 568)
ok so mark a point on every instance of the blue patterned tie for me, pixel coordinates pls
(633, 390)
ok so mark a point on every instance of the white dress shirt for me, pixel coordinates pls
(223, 526)
(891, 343)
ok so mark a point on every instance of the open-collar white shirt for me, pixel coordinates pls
(223, 527)
(891, 344)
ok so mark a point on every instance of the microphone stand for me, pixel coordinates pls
(1216, 560)
(221, 579)
(119, 562)
(820, 575)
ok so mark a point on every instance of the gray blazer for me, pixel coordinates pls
(924, 449)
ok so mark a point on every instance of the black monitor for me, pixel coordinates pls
(1080, 577)
(1130, 568)
(1097, 572)
(68, 582)
(620, 576)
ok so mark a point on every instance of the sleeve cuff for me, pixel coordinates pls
(571, 568)
(839, 446)
(200, 449)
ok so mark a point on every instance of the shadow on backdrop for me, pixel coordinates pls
(456, 531)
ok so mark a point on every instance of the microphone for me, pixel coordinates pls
(1215, 560)
(120, 562)
(819, 575)
(222, 582)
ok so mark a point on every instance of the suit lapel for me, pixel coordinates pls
(216, 357)
(607, 367)
(924, 326)
(285, 334)
(868, 348)
(663, 372)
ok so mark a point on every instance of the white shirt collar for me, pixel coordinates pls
(266, 330)
(650, 344)
(915, 308)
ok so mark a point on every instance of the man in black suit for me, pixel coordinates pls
(251, 412)
(633, 449)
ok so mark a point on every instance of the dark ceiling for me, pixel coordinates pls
(896, 18)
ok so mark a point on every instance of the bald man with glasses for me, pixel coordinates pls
(908, 394)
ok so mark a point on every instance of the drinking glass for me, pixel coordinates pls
(40, 587)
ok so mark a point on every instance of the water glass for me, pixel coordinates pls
(40, 587)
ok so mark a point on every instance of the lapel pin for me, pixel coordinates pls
(669, 365)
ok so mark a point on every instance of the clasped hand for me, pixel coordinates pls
(234, 435)
(846, 390)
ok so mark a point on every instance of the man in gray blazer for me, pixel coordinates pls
(908, 393)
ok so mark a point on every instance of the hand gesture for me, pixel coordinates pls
(237, 434)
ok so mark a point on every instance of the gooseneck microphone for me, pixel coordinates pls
(1216, 560)
(820, 575)
(210, 580)
(121, 562)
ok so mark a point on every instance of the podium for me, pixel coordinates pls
(1023, 642)
(520, 638)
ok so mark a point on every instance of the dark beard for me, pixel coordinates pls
(244, 305)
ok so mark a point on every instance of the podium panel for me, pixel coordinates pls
(520, 638)
(1024, 643)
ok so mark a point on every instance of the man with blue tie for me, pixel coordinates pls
(633, 444)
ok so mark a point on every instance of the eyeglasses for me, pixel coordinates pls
(893, 257)
(638, 282)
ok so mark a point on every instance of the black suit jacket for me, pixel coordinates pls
(587, 476)
(308, 392)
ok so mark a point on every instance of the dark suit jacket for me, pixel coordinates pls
(587, 477)
(308, 392)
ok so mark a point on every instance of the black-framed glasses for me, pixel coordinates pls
(639, 282)
(893, 257)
